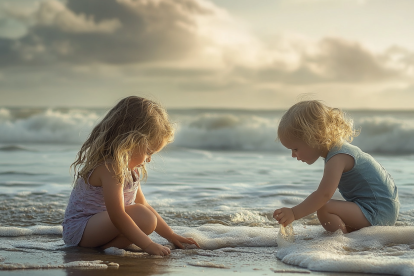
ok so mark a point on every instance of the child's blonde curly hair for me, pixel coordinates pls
(317, 125)
(133, 123)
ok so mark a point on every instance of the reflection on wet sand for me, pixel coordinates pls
(46, 255)
(142, 265)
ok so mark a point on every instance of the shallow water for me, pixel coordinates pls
(220, 189)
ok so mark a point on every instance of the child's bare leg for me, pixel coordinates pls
(344, 215)
(100, 230)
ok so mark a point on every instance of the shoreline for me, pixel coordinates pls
(226, 261)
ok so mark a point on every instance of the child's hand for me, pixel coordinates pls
(177, 240)
(284, 216)
(157, 249)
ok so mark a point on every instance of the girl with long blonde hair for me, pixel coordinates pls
(107, 207)
(312, 130)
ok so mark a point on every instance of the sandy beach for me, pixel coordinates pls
(228, 261)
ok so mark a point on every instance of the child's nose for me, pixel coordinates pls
(293, 154)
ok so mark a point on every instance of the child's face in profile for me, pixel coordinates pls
(300, 150)
(139, 155)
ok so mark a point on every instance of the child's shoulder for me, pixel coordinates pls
(344, 147)
(341, 150)
(103, 170)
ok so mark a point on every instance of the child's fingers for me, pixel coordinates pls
(276, 213)
(192, 241)
(279, 217)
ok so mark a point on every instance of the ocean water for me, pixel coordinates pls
(219, 182)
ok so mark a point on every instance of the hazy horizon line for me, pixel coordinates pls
(200, 108)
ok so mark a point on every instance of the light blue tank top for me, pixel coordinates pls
(368, 185)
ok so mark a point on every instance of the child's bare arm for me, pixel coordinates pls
(329, 183)
(114, 202)
(162, 227)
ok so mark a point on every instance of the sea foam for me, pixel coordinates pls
(214, 236)
(377, 249)
(33, 230)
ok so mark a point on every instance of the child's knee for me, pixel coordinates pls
(143, 217)
(324, 210)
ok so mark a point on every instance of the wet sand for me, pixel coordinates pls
(226, 261)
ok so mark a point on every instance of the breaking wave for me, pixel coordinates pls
(382, 132)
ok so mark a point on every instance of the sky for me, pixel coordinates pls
(262, 54)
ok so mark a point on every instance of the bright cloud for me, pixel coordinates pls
(183, 47)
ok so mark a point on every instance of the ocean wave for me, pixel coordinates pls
(386, 135)
(21, 184)
(228, 132)
(49, 126)
(19, 173)
(14, 148)
(381, 132)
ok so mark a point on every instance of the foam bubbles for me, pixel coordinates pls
(34, 230)
(14, 231)
(214, 236)
(377, 249)
(49, 246)
(124, 253)
(250, 217)
(80, 264)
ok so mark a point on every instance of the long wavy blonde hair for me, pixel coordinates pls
(317, 125)
(133, 123)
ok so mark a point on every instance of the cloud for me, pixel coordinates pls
(183, 47)
(184, 33)
(52, 14)
(348, 61)
(399, 58)
(333, 60)
(106, 31)
(118, 32)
